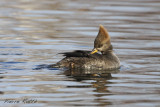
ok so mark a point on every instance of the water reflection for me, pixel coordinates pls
(80, 75)
(99, 82)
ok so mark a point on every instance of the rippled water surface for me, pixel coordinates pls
(32, 32)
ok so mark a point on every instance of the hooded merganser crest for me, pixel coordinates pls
(92, 60)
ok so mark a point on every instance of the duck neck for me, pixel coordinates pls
(106, 52)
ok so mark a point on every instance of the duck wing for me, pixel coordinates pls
(77, 53)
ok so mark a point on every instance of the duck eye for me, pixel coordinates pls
(100, 45)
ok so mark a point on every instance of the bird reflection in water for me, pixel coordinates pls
(99, 83)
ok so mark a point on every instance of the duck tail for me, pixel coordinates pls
(54, 66)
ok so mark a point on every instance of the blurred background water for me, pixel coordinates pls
(32, 32)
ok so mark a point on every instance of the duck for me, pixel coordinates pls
(101, 57)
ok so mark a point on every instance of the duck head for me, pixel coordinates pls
(102, 42)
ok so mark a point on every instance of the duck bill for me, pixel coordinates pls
(94, 51)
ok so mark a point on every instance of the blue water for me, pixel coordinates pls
(33, 32)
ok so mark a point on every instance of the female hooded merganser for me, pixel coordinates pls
(91, 60)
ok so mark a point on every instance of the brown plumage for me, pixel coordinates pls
(79, 59)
